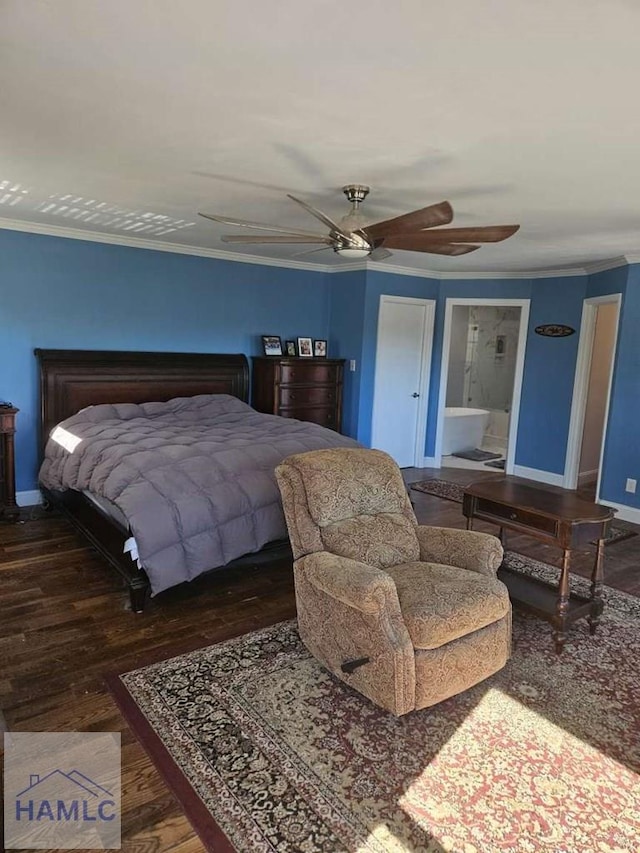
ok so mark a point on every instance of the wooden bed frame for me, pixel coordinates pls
(73, 379)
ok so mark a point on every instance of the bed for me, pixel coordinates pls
(101, 391)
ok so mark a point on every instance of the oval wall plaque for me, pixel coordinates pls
(554, 330)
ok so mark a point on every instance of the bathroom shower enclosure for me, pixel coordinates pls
(482, 365)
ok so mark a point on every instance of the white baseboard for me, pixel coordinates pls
(624, 513)
(430, 462)
(29, 498)
(547, 477)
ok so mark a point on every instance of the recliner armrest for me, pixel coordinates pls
(466, 549)
(358, 585)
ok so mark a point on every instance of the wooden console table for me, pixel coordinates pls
(557, 518)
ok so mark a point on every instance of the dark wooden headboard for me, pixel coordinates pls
(73, 379)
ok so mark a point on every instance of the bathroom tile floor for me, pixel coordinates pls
(456, 462)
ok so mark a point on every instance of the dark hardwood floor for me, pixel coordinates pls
(64, 623)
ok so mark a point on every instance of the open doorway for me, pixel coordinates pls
(480, 381)
(592, 389)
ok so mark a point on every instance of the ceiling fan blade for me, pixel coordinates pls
(285, 238)
(260, 226)
(379, 254)
(415, 243)
(482, 234)
(310, 251)
(320, 215)
(426, 217)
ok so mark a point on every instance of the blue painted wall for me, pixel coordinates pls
(549, 373)
(61, 293)
(621, 457)
(346, 320)
(71, 294)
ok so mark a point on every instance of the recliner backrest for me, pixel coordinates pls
(350, 501)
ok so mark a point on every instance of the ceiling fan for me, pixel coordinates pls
(352, 237)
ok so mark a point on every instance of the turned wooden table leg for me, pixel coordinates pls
(597, 577)
(563, 602)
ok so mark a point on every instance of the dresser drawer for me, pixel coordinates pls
(313, 372)
(312, 395)
(315, 414)
(517, 516)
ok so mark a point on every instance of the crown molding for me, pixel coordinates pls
(463, 275)
(153, 245)
(589, 268)
(609, 264)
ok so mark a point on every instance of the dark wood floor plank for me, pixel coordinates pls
(65, 622)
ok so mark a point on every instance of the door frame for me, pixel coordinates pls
(450, 304)
(581, 388)
(377, 409)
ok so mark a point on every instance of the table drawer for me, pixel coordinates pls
(317, 395)
(516, 516)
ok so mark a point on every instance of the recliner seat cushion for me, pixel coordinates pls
(381, 540)
(442, 603)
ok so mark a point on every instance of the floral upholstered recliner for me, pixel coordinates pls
(406, 614)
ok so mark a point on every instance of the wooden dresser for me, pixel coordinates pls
(309, 389)
(8, 507)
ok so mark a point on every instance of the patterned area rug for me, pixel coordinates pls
(259, 743)
(454, 492)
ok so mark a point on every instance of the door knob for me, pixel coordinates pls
(415, 394)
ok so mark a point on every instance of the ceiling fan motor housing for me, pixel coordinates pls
(356, 193)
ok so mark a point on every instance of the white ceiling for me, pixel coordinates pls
(115, 113)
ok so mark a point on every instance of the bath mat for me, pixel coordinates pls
(476, 455)
(497, 463)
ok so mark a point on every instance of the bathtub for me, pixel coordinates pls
(463, 429)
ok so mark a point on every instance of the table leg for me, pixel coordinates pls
(597, 577)
(563, 602)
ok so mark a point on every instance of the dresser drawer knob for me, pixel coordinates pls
(513, 516)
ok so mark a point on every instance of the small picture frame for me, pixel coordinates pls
(290, 348)
(305, 347)
(272, 344)
(320, 348)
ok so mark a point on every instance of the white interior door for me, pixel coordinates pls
(401, 385)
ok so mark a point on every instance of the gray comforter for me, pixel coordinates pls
(193, 476)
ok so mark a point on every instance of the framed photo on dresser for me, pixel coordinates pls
(320, 348)
(305, 347)
(272, 344)
(290, 348)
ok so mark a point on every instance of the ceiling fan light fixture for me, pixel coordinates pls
(352, 252)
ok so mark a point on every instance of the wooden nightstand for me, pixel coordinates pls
(8, 508)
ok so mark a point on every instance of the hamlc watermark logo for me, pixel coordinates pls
(62, 790)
